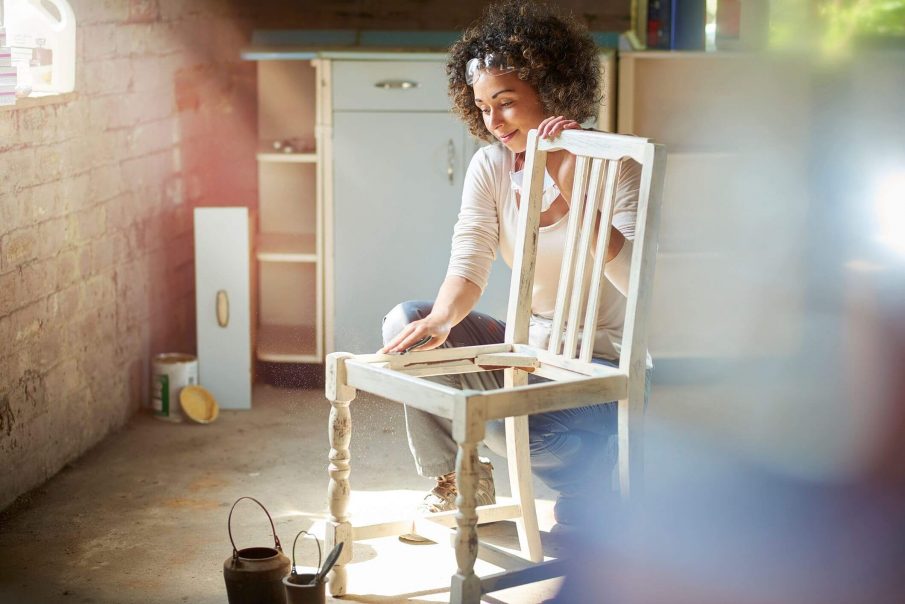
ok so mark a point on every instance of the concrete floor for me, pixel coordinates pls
(143, 516)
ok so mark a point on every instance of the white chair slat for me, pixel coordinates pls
(583, 251)
(603, 239)
(561, 309)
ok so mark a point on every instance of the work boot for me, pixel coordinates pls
(442, 498)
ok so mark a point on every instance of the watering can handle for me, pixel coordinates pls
(229, 527)
(319, 553)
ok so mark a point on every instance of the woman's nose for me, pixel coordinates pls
(495, 119)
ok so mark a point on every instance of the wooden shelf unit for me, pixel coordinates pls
(280, 157)
(287, 344)
(289, 240)
(287, 247)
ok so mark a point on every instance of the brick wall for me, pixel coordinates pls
(96, 197)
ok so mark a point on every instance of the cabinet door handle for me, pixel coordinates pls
(396, 84)
(222, 308)
(451, 160)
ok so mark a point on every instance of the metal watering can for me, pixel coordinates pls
(254, 575)
(304, 588)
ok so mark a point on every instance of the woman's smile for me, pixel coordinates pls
(505, 138)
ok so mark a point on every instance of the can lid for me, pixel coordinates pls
(198, 404)
(174, 357)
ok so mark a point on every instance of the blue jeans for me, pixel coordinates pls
(569, 448)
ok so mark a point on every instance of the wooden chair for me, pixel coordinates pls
(576, 381)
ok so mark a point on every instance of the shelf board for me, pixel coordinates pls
(286, 247)
(287, 344)
(287, 158)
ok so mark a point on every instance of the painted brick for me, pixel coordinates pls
(102, 41)
(119, 214)
(18, 247)
(100, 11)
(6, 350)
(107, 76)
(16, 210)
(90, 223)
(99, 290)
(54, 236)
(148, 74)
(101, 112)
(9, 125)
(48, 164)
(171, 10)
(27, 397)
(84, 260)
(46, 349)
(65, 304)
(38, 125)
(35, 281)
(27, 323)
(102, 256)
(73, 159)
(43, 202)
(105, 182)
(103, 147)
(150, 107)
(152, 137)
(66, 268)
(144, 39)
(10, 284)
(62, 379)
(17, 169)
(143, 11)
(74, 192)
(174, 191)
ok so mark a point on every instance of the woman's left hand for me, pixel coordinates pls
(552, 126)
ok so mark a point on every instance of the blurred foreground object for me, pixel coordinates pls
(783, 480)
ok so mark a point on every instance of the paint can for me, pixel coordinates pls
(170, 372)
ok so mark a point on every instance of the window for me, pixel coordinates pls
(37, 48)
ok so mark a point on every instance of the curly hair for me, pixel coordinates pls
(551, 52)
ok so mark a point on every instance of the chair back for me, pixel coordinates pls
(598, 157)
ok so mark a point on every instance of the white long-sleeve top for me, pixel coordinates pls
(489, 219)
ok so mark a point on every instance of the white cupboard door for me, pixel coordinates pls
(222, 304)
(397, 186)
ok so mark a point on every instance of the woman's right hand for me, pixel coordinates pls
(414, 332)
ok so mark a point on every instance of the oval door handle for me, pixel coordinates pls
(222, 308)
(396, 84)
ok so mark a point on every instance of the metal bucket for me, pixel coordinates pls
(254, 575)
(170, 373)
(299, 586)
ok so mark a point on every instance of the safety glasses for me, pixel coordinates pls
(492, 64)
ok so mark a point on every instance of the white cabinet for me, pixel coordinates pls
(399, 158)
(222, 304)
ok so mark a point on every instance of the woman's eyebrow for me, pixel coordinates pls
(495, 95)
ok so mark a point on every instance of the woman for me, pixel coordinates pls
(521, 67)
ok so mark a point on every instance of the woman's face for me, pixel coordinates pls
(510, 107)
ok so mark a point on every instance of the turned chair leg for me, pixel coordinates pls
(466, 586)
(339, 528)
